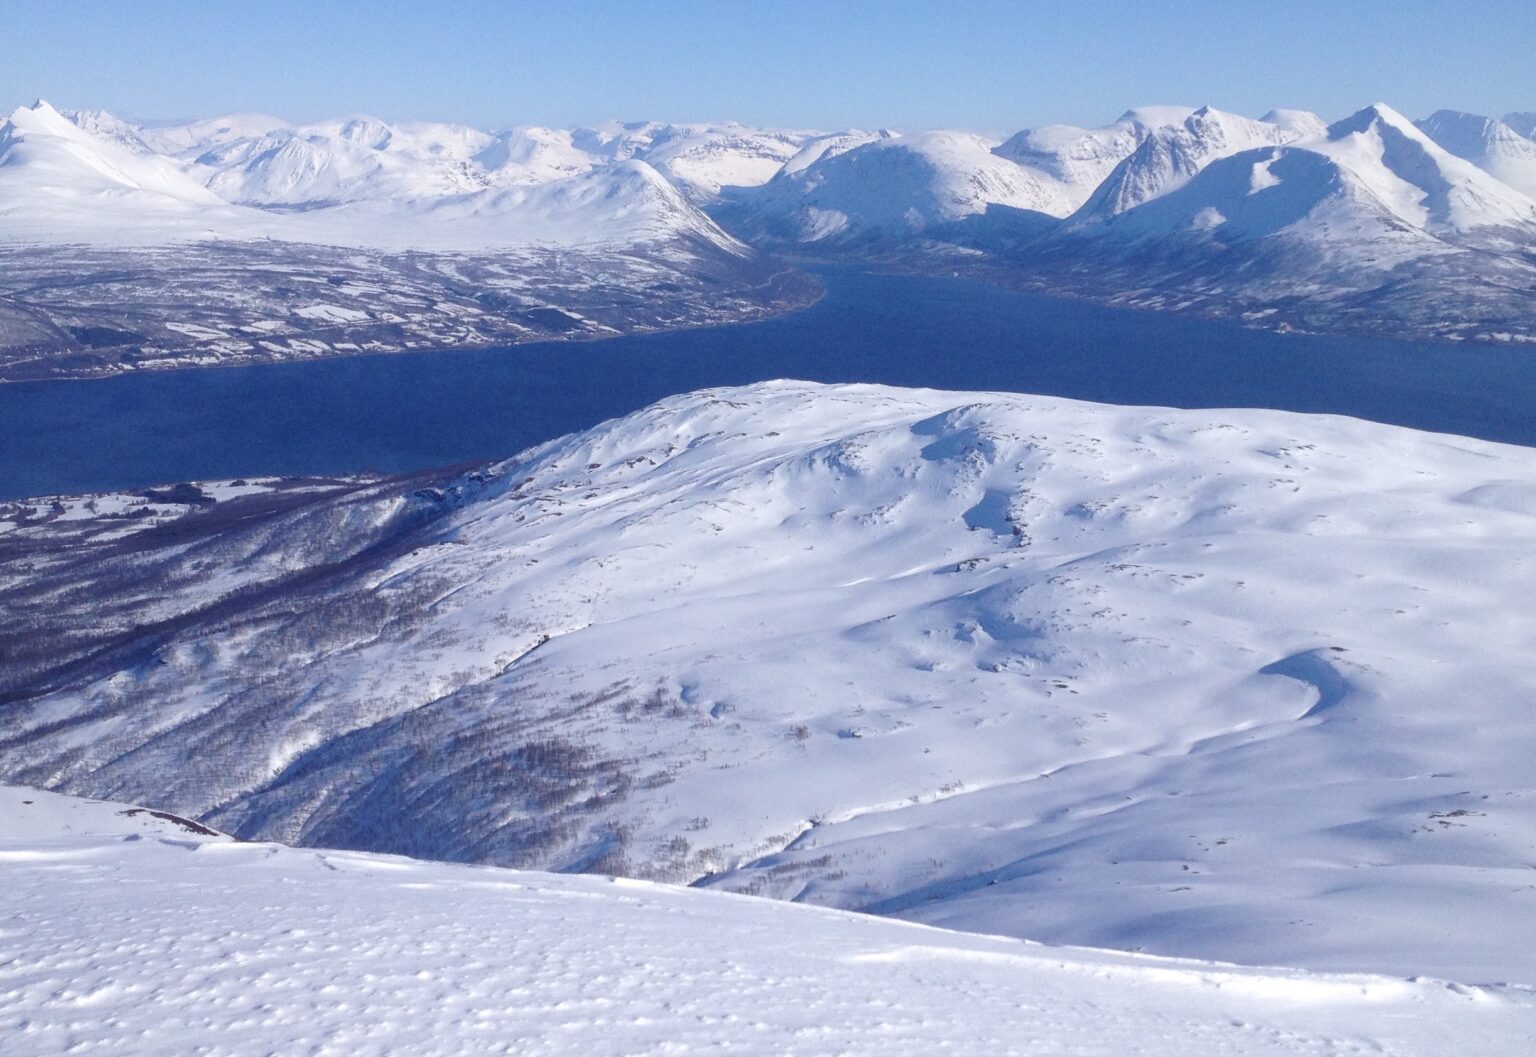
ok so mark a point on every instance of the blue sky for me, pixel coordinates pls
(983, 64)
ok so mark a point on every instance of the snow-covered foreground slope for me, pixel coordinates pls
(1236, 684)
(126, 935)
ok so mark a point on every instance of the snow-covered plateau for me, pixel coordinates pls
(1239, 685)
(134, 934)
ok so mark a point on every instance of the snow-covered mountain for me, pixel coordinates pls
(58, 179)
(1371, 176)
(1367, 224)
(1488, 143)
(357, 182)
(128, 934)
(1371, 224)
(1170, 155)
(700, 159)
(1233, 684)
(906, 185)
(356, 159)
(1076, 160)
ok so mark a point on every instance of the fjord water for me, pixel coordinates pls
(417, 410)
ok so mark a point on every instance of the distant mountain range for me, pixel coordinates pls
(1373, 223)
(240, 239)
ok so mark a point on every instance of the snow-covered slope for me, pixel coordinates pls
(1235, 684)
(901, 186)
(829, 146)
(143, 940)
(532, 154)
(1489, 144)
(1169, 156)
(1075, 161)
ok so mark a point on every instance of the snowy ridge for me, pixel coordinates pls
(154, 942)
(1020, 665)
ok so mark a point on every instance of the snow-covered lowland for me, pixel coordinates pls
(127, 933)
(1238, 685)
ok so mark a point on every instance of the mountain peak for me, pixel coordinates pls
(1375, 114)
(42, 117)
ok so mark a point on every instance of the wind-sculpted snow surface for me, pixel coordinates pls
(126, 935)
(1235, 684)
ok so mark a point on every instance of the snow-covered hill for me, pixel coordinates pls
(1489, 144)
(127, 935)
(1234, 684)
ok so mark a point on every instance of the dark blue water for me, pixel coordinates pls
(417, 410)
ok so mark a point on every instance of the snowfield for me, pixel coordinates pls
(1240, 685)
(129, 935)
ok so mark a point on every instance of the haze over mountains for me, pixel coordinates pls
(359, 235)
